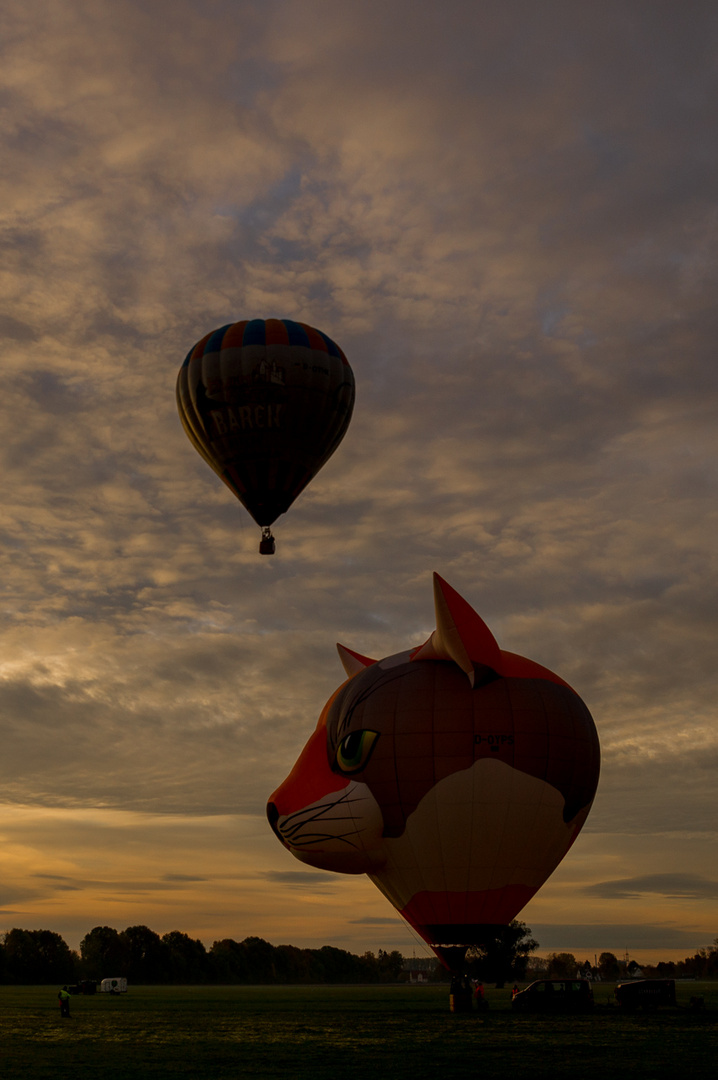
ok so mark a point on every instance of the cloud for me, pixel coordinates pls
(672, 885)
(300, 877)
(374, 921)
(618, 937)
(506, 218)
(181, 878)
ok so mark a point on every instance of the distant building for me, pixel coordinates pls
(417, 972)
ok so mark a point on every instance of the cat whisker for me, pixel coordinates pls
(298, 826)
(307, 814)
(321, 838)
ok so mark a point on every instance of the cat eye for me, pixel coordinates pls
(354, 751)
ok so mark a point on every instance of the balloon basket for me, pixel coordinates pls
(460, 1003)
(266, 544)
(460, 995)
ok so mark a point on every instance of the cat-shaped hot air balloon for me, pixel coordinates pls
(456, 775)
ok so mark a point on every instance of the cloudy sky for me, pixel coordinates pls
(505, 213)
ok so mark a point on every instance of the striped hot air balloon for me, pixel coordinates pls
(266, 403)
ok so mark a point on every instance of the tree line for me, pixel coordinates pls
(703, 964)
(144, 957)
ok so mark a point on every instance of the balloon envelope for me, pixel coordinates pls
(266, 403)
(456, 775)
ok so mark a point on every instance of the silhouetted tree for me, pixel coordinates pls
(563, 965)
(259, 960)
(709, 958)
(295, 965)
(146, 955)
(537, 968)
(340, 966)
(37, 956)
(504, 955)
(186, 958)
(389, 965)
(103, 953)
(227, 962)
(608, 966)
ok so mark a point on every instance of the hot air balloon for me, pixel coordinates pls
(266, 403)
(456, 775)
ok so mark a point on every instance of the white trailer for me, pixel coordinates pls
(113, 986)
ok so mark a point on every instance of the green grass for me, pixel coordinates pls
(378, 1033)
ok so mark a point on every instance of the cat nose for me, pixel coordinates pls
(273, 816)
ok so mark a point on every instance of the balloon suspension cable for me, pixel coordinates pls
(266, 544)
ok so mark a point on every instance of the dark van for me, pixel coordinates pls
(555, 995)
(645, 993)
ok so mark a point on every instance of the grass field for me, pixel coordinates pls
(380, 1033)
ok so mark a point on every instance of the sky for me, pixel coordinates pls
(505, 214)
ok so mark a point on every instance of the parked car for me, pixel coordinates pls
(645, 993)
(555, 995)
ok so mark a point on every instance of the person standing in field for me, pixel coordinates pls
(481, 1002)
(64, 999)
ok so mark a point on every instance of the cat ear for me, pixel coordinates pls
(461, 635)
(353, 662)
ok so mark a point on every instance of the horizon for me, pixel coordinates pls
(649, 957)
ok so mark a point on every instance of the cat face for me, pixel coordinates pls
(457, 795)
(323, 812)
(392, 733)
